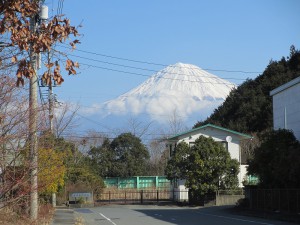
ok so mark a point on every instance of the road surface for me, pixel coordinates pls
(165, 215)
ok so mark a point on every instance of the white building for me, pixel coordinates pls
(229, 138)
(286, 107)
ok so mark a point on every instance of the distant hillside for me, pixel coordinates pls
(248, 108)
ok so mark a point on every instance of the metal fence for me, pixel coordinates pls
(276, 200)
(133, 196)
(130, 196)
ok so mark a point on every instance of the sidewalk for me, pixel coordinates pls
(63, 216)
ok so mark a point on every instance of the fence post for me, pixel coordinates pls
(142, 197)
(264, 205)
(157, 196)
(109, 197)
(298, 210)
(173, 194)
(288, 198)
(125, 197)
(256, 206)
(279, 201)
(271, 207)
(251, 197)
(216, 196)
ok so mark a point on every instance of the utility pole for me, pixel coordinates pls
(51, 115)
(33, 105)
(51, 109)
(33, 117)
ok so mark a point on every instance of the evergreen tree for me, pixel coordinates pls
(102, 158)
(206, 166)
(131, 156)
(178, 163)
(125, 156)
(248, 108)
(276, 160)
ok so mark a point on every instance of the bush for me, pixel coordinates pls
(243, 203)
(80, 200)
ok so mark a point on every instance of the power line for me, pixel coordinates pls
(110, 138)
(144, 75)
(150, 70)
(153, 63)
(111, 132)
(91, 120)
(162, 136)
(60, 7)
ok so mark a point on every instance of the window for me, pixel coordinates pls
(171, 153)
(224, 144)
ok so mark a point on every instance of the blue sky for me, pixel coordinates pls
(239, 35)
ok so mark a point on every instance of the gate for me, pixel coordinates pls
(133, 196)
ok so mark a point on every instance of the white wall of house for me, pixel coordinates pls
(243, 174)
(180, 192)
(218, 136)
(286, 107)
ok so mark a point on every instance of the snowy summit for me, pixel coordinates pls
(182, 87)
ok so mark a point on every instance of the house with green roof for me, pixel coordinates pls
(228, 138)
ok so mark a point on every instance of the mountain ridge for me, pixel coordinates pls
(182, 87)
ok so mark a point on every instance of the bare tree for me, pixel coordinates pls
(14, 135)
(247, 148)
(65, 120)
(92, 139)
(138, 128)
(158, 157)
(176, 124)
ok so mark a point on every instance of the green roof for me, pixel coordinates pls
(213, 126)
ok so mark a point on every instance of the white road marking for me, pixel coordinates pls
(233, 218)
(107, 219)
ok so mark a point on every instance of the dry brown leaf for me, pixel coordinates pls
(49, 65)
(14, 59)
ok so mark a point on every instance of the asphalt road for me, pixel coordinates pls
(164, 215)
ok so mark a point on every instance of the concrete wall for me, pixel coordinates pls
(86, 196)
(286, 107)
(228, 199)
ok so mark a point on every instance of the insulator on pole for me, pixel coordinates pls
(44, 12)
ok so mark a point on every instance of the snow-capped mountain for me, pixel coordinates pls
(182, 87)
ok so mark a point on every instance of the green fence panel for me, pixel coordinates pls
(147, 182)
(138, 182)
(163, 182)
(111, 182)
(129, 182)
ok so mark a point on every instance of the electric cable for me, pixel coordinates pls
(151, 70)
(153, 63)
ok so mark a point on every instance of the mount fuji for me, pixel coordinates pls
(184, 88)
